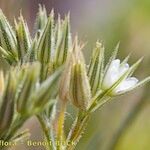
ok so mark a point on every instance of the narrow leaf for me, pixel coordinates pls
(47, 90)
(113, 56)
(95, 70)
(28, 85)
(45, 42)
(7, 106)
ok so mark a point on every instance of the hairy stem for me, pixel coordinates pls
(80, 123)
(77, 130)
(46, 130)
(58, 125)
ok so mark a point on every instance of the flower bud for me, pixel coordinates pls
(79, 87)
(8, 40)
(74, 84)
(65, 82)
(23, 38)
(80, 93)
(41, 19)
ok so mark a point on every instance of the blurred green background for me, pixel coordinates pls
(124, 123)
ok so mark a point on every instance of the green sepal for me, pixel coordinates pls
(95, 70)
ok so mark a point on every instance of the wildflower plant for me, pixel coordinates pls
(47, 71)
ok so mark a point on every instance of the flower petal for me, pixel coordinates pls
(123, 68)
(126, 84)
(112, 74)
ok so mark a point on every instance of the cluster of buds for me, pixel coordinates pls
(22, 94)
(36, 64)
(49, 46)
(89, 86)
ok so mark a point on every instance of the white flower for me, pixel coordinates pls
(126, 84)
(113, 74)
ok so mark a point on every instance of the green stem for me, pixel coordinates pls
(133, 114)
(77, 130)
(81, 121)
(46, 130)
(15, 127)
(58, 125)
